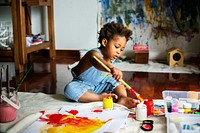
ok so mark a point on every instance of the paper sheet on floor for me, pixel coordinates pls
(32, 103)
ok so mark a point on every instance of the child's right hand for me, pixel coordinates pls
(114, 96)
(116, 73)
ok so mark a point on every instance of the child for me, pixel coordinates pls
(91, 82)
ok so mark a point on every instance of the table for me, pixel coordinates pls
(33, 103)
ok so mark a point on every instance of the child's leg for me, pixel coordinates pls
(74, 90)
(92, 97)
(82, 92)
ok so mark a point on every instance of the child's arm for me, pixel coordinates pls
(99, 66)
(106, 66)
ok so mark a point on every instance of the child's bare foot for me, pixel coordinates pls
(128, 102)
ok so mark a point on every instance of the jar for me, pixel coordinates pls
(8, 105)
(108, 103)
(181, 111)
(141, 112)
(150, 106)
(174, 103)
(187, 107)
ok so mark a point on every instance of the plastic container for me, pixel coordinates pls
(176, 121)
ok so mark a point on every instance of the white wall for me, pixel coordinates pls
(76, 28)
(75, 24)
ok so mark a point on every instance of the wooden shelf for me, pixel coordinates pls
(22, 26)
(6, 53)
(6, 56)
(38, 47)
(5, 4)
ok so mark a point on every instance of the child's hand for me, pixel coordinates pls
(114, 96)
(116, 73)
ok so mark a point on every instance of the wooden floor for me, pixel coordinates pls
(51, 77)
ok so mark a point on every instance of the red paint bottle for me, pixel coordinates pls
(150, 106)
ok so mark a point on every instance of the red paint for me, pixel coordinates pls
(136, 94)
(150, 106)
(147, 126)
(42, 111)
(57, 120)
(54, 119)
(74, 112)
(97, 110)
(133, 92)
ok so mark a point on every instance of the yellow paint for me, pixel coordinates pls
(74, 125)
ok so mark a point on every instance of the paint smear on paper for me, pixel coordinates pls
(97, 110)
(63, 123)
(73, 112)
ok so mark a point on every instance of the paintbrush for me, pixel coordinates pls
(22, 79)
(122, 81)
(7, 82)
(1, 82)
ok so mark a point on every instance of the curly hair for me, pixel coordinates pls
(109, 30)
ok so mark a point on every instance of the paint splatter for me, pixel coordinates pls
(164, 18)
(70, 124)
(98, 110)
(73, 112)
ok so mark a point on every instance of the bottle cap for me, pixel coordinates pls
(181, 110)
(187, 105)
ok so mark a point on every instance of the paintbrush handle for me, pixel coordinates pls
(108, 69)
(20, 82)
(102, 64)
(121, 80)
(7, 82)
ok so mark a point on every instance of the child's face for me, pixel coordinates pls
(115, 46)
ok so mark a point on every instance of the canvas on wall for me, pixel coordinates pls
(155, 23)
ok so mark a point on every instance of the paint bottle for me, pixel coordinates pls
(174, 105)
(150, 106)
(141, 112)
(169, 103)
(181, 111)
(187, 107)
(108, 103)
(194, 103)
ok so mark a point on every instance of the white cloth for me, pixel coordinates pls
(153, 66)
(33, 103)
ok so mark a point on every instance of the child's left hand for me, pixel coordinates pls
(117, 74)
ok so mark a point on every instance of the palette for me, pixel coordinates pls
(84, 117)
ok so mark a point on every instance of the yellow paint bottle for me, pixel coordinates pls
(108, 103)
(187, 107)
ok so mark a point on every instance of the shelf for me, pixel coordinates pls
(6, 56)
(21, 14)
(39, 2)
(5, 4)
(6, 53)
(38, 47)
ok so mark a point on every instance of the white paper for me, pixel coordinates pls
(118, 114)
